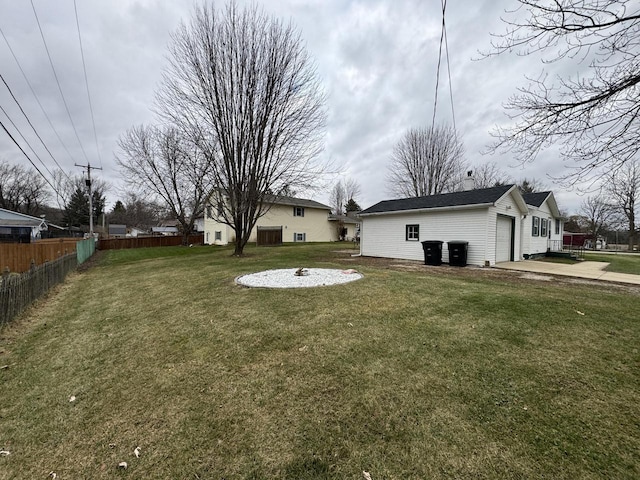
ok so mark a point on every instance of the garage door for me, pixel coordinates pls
(504, 238)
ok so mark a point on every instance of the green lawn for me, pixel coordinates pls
(620, 263)
(418, 373)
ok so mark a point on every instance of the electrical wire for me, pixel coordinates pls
(25, 140)
(30, 124)
(64, 100)
(86, 82)
(24, 75)
(28, 158)
(443, 40)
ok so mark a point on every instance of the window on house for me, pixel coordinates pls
(298, 211)
(299, 237)
(413, 233)
(543, 227)
(557, 226)
(219, 235)
(535, 226)
(209, 211)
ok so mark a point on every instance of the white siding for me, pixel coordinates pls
(384, 235)
(506, 206)
(537, 245)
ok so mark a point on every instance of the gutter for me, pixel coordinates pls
(432, 209)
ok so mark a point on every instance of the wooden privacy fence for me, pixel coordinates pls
(17, 257)
(143, 242)
(18, 291)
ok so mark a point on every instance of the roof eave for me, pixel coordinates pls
(431, 209)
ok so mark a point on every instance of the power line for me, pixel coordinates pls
(30, 124)
(28, 158)
(443, 39)
(64, 100)
(25, 140)
(24, 75)
(86, 82)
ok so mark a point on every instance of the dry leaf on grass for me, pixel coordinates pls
(72, 398)
(5, 452)
(136, 452)
(53, 475)
(366, 475)
(122, 465)
(579, 312)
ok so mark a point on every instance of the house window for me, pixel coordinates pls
(535, 226)
(298, 211)
(218, 235)
(557, 226)
(543, 227)
(413, 233)
(299, 237)
(209, 211)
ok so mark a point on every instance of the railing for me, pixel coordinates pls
(554, 245)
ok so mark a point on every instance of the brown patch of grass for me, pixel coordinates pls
(427, 373)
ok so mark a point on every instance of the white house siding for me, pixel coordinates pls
(508, 207)
(538, 245)
(385, 235)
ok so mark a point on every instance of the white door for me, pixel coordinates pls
(503, 238)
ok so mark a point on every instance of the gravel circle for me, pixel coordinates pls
(286, 278)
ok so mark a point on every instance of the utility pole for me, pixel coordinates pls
(88, 182)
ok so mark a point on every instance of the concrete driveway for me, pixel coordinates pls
(590, 270)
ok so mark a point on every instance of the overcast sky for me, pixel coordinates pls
(376, 60)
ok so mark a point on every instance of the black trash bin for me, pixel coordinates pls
(458, 253)
(432, 252)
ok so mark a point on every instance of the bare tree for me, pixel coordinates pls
(161, 163)
(597, 212)
(338, 197)
(136, 211)
(22, 190)
(241, 84)
(490, 175)
(426, 161)
(595, 118)
(623, 185)
(344, 192)
(531, 185)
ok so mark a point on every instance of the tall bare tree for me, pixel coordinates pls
(490, 175)
(161, 163)
(623, 185)
(426, 161)
(342, 193)
(598, 214)
(595, 118)
(242, 85)
(22, 190)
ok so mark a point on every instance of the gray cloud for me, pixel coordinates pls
(377, 61)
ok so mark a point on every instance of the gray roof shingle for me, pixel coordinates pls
(468, 197)
(536, 198)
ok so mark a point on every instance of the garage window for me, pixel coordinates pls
(535, 227)
(412, 233)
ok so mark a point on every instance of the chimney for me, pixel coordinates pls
(469, 183)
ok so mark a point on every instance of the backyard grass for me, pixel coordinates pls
(406, 374)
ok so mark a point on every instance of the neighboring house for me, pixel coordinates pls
(198, 225)
(167, 231)
(135, 232)
(20, 228)
(350, 225)
(289, 219)
(492, 220)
